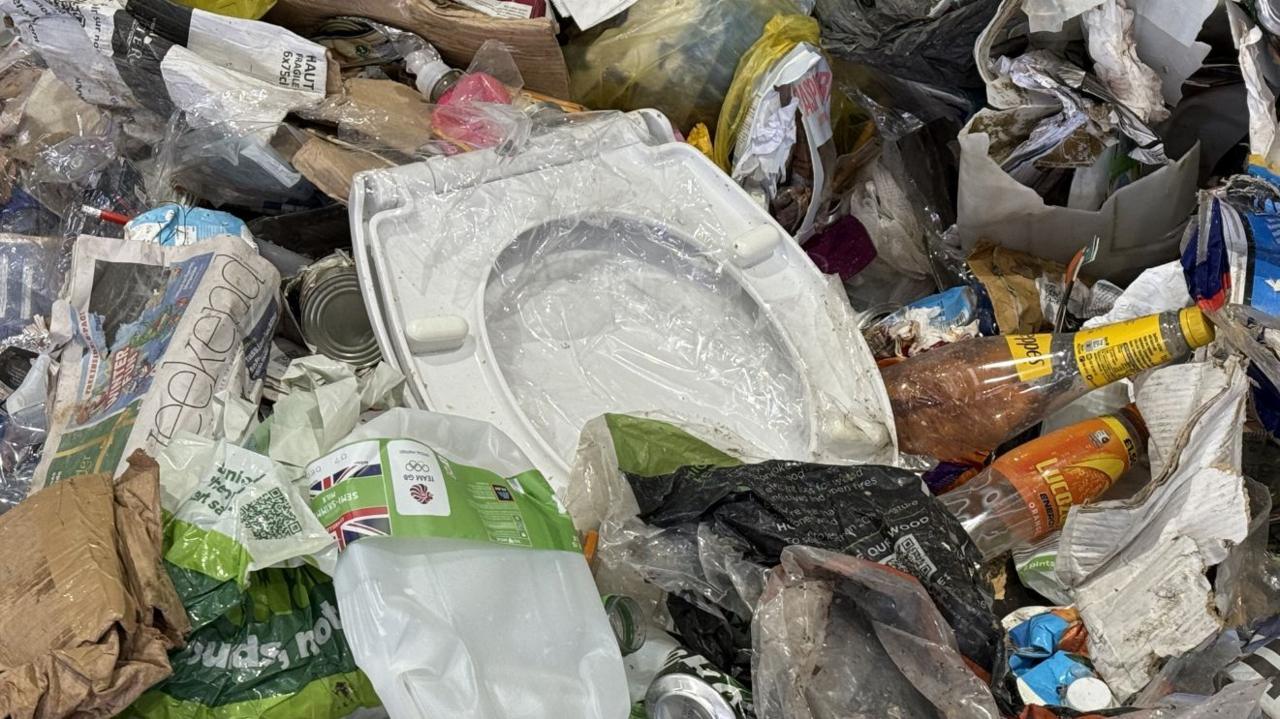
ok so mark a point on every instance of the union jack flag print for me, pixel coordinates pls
(364, 522)
(368, 522)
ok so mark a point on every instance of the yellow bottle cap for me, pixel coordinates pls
(1195, 327)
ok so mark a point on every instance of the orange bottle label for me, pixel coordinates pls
(1067, 467)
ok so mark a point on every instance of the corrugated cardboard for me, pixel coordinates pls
(1136, 567)
(87, 612)
(456, 31)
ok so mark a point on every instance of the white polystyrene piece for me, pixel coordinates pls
(756, 245)
(1089, 694)
(436, 334)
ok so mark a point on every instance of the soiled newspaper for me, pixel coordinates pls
(154, 333)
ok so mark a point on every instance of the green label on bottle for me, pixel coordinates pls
(403, 488)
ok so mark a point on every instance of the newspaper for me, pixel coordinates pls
(155, 332)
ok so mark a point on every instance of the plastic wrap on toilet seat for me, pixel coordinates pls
(592, 265)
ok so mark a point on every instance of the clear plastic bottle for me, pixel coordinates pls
(1025, 494)
(461, 585)
(432, 76)
(959, 402)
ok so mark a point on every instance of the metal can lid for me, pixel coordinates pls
(335, 319)
(684, 696)
(625, 618)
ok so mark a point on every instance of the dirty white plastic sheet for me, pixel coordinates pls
(322, 403)
(1136, 567)
(1139, 225)
(594, 266)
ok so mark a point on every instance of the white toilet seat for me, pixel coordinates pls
(606, 268)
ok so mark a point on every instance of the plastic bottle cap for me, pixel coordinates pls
(1089, 694)
(429, 76)
(1195, 327)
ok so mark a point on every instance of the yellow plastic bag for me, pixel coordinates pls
(781, 34)
(677, 56)
(250, 9)
(700, 137)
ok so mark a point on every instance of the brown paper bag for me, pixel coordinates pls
(87, 612)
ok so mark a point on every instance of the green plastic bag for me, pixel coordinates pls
(280, 653)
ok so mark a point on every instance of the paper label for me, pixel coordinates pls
(1110, 353)
(1032, 355)
(814, 93)
(418, 481)
(403, 488)
(1090, 456)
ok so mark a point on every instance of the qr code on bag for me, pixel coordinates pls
(270, 517)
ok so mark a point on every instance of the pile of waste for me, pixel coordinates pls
(640, 359)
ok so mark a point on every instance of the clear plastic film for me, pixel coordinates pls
(590, 265)
(839, 636)
(26, 423)
(1247, 583)
(238, 163)
(60, 153)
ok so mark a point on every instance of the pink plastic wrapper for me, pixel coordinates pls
(457, 117)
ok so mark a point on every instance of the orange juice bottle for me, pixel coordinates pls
(1025, 494)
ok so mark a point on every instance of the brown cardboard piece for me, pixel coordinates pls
(331, 167)
(1010, 277)
(457, 32)
(87, 612)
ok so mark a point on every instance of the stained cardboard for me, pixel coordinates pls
(1009, 278)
